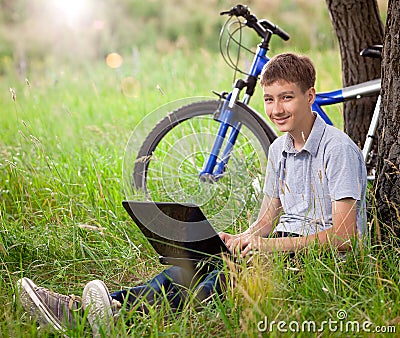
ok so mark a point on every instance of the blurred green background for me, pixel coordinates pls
(34, 32)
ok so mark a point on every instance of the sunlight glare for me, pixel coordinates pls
(72, 10)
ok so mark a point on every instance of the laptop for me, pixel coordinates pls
(179, 232)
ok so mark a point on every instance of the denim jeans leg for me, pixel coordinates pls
(213, 283)
(167, 282)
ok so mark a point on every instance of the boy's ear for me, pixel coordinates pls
(311, 95)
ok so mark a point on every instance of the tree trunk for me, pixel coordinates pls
(387, 185)
(357, 25)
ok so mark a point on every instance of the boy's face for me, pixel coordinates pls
(288, 107)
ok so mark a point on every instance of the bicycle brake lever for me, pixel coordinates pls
(239, 10)
(225, 13)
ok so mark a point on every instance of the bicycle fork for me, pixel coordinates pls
(214, 169)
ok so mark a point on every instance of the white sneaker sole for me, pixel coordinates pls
(31, 300)
(96, 299)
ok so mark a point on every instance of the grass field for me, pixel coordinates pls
(63, 137)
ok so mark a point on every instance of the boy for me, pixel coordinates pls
(314, 189)
(315, 175)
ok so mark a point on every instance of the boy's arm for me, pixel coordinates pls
(344, 218)
(269, 212)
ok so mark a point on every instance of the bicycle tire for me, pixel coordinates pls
(191, 127)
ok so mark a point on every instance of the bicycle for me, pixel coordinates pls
(198, 151)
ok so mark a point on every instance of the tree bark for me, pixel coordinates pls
(357, 25)
(387, 185)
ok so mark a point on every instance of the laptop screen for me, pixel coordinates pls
(176, 230)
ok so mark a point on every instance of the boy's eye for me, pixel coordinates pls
(268, 99)
(287, 97)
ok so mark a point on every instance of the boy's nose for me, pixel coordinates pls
(276, 108)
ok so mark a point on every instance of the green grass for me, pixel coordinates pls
(62, 224)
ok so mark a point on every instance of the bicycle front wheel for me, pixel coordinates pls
(170, 159)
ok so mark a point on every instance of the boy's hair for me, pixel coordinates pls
(289, 67)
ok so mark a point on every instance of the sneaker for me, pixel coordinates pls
(96, 299)
(47, 307)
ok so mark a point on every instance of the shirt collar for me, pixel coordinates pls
(313, 141)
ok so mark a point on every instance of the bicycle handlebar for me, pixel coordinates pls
(275, 29)
(260, 26)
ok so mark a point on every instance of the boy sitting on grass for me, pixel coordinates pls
(314, 189)
(316, 176)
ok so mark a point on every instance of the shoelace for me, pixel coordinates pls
(115, 304)
(72, 300)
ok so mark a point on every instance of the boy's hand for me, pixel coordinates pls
(228, 239)
(257, 243)
(236, 242)
(245, 244)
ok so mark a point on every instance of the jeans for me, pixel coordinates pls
(172, 285)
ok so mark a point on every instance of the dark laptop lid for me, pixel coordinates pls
(176, 229)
